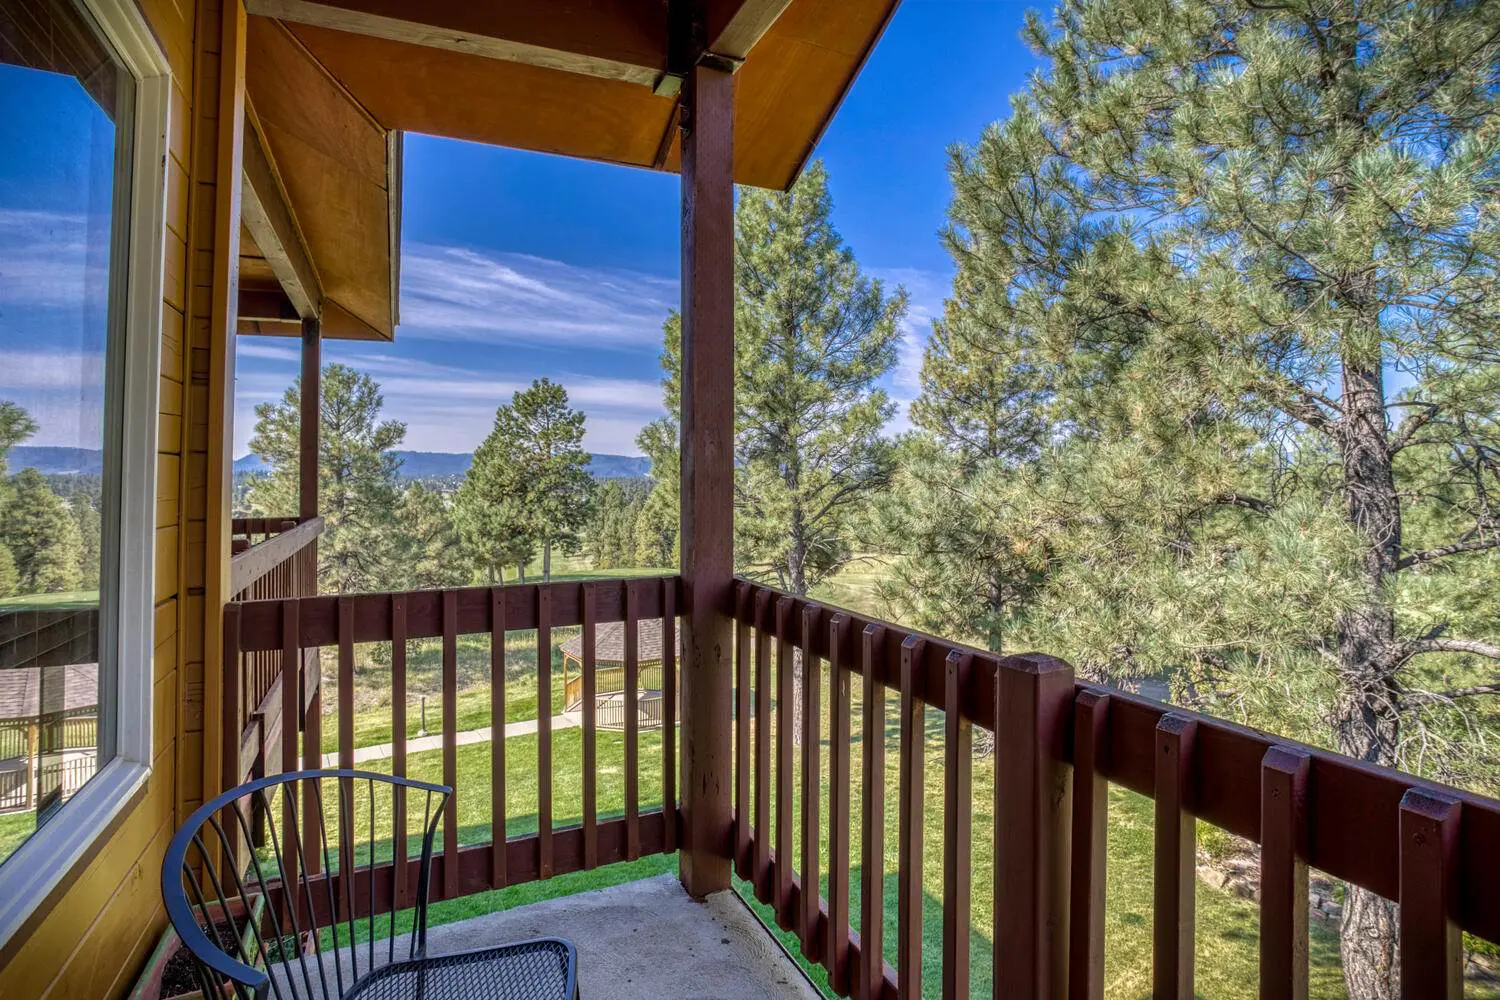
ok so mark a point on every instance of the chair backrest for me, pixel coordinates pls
(280, 869)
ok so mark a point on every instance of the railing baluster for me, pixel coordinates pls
(399, 888)
(872, 833)
(742, 730)
(811, 775)
(1283, 874)
(760, 851)
(450, 742)
(909, 832)
(1431, 945)
(590, 732)
(836, 950)
(1176, 860)
(669, 712)
(958, 828)
(632, 724)
(498, 835)
(544, 732)
(346, 745)
(1090, 845)
(784, 695)
(290, 691)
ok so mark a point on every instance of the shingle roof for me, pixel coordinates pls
(65, 688)
(609, 642)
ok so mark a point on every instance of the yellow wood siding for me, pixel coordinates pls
(93, 939)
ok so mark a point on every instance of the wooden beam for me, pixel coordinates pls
(267, 213)
(707, 476)
(736, 25)
(266, 305)
(612, 39)
(310, 419)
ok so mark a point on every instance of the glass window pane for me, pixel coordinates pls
(63, 101)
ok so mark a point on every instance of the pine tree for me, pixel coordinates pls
(428, 551)
(1226, 231)
(529, 484)
(611, 534)
(357, 475)
(86, 517)
(41, 536)
(813, 337)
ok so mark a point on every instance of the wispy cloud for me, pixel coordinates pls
(266, 349)
(454, 293)
(53, 260)
(927, 289)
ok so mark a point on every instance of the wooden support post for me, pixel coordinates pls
(1033, 807)
(707, 529)
(311, 409)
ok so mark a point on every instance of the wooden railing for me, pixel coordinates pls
(298, 625)
(272, 558)
(1059, 745)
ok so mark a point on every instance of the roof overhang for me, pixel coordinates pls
(333, 82)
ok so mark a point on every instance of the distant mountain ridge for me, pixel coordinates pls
(58, 461)
(430, 464)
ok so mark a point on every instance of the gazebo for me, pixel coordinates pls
(609, 674)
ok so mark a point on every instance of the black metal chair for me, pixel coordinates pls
(257, 869)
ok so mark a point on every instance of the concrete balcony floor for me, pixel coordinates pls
(647, 939)
(643, 940)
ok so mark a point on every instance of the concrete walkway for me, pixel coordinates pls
(385, 751)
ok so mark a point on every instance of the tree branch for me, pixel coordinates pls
(1429, 555)
(1439, 645)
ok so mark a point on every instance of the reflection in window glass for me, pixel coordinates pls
(63, 97)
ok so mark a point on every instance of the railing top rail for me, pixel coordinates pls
(1353, 807)
(255, 562)
(318, 617)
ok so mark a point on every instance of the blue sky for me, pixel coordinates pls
(517, 265)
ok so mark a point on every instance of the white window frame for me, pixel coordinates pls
(36, 869)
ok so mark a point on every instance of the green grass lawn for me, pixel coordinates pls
(61, 601)
(1227, 925)
(14, 828)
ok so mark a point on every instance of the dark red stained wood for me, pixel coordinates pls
(784, 695)
(1431, 945)
(761, 849)
(742, 769)
(909, 833)
(231, 698)
(807, 918)
(707, 476)
(1033, 701)
(872, 831)
(958, 833)
(497, 740)
(473, 867)
(309, 417)
(261, 620)
(1283, 874)
(450, 732)
(544, 731)
(398, 739)
(1090, 844)
(836, 948)
(346, 737)
(312, 760)
(291, 708)
(632, 726)
(590, 733)
(669, 710)
(1176, 860)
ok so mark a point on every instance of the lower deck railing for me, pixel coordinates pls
(800, 820)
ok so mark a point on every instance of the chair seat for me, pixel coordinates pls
(541, 969)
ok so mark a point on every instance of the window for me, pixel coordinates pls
(82, 128)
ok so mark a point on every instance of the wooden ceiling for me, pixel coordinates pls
(333, 80)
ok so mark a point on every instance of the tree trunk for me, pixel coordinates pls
(521, 571)
(1366, 716)
(547, 561)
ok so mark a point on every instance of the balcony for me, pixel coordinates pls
(864, 763)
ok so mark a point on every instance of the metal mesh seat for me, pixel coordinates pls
(266, 876)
